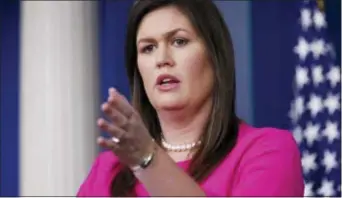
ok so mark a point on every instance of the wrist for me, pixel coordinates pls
(147, 160)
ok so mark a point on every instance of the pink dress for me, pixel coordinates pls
(264, 162)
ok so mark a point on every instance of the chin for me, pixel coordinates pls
(169, 103)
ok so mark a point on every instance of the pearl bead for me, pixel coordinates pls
(181, 147)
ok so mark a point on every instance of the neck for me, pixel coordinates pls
(185, 125)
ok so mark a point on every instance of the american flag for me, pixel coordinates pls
(315, 109)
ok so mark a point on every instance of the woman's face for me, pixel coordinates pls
(172, 61)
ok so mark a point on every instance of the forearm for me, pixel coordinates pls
(164, 178)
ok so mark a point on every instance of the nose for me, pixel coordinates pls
(164, 57)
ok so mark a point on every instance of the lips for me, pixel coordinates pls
(167, 83)
(166, 79)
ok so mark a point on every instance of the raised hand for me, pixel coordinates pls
(130, 140)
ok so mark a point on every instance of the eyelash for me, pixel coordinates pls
(181, 39)
(184, 42)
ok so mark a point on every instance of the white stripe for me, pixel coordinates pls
(59, 95)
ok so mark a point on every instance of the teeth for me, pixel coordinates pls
(166, 80)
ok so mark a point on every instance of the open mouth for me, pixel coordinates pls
(167, 82)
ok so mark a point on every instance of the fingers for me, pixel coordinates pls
(111, 129)
(114, 115)
(107, 143)
(119, 111)
(119, 102)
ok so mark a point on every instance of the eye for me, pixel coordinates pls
(180, 42)
(147, 49)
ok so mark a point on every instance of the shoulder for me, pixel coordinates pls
(269, 144)
(267, 138)
(265, 157)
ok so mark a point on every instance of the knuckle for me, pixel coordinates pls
(130, 121)
(114, 116)
(127, 136)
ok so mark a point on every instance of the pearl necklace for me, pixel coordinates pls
(180, 147)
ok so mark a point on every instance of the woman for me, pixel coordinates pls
(181, 137)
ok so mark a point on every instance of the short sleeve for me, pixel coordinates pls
(271, 166)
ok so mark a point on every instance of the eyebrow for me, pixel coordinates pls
(167, 34)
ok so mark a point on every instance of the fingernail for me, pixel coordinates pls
(99, 121)
(103, 106)
(111, 90)
(99, 140)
